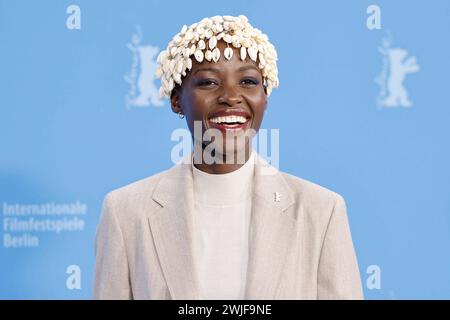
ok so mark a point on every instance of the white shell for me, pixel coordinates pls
(192, 50)
(165, 67)
(177, 78)
(200, 30)
(262, 60)
(172, 65)
(161, 56)
(209, 33)
(173, 51)
(227, 38)
(217, 19)
(261, 48)
(198, 55)
(183, 51)
(189, 63)
(243, 53)
(228, 53)
(236, 42)
(243, 18)
(216, 54)
(177, 39)
(180, 66)
(208, 55)
(201, 44)
(170, 84)
(189, 35)
(246, 42)
(246, 33)
(208, 23)
(212, 42)
(219, 28)
(252, 52)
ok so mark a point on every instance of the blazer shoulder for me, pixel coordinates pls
(314, 201)
(131, 194)
(311, 193)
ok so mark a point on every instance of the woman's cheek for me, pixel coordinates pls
(200, 107)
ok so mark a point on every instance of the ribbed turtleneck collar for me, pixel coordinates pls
(224, 189)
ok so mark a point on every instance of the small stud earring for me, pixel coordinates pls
(180, 115)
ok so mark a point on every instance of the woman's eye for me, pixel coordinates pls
(206, 82)
(251, 81)
(211, 82)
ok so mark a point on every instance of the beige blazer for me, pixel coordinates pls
(300, 245)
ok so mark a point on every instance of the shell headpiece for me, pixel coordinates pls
(199, 41)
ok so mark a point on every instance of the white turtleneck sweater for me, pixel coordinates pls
(221, 220)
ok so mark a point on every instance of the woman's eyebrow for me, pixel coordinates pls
(244, 68)
(207, 69)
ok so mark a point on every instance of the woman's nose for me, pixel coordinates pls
(230, 95)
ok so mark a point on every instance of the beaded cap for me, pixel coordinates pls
(199, 42)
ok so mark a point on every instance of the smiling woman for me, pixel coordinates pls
(227, 95)
(223, 229)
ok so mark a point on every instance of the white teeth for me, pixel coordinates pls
(229, 119)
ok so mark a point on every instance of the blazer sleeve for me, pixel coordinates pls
(111, 277)
(338, 272)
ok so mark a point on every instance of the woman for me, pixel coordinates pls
(215, 228)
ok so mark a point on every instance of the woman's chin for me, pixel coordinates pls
(236, 151)
(229, 151)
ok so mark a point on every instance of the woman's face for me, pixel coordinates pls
(227, 95)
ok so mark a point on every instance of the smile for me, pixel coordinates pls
(237, 120)
(230, 120)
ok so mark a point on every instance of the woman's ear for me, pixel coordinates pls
(175, 99)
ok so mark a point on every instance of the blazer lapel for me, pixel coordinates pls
(172, 230)
(271, 232)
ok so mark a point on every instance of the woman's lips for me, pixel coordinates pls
(229, 120)
(229, 127)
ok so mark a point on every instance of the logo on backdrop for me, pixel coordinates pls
(396, 66)
(25, 224)
(143, 91)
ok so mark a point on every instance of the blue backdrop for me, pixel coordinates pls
(362, 109)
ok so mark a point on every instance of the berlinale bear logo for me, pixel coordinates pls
(143, 91)
(396, 66)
